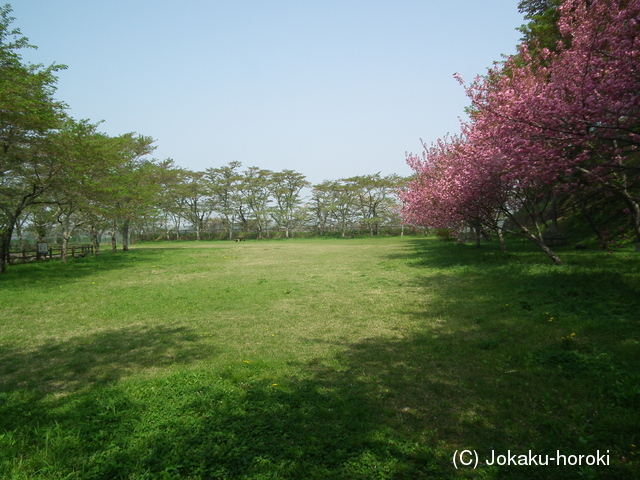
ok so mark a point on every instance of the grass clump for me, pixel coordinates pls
(360, 358)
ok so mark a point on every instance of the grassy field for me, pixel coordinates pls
(327, 359)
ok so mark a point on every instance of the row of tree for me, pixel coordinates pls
(166, 201)
(553, 128)
(257, 201)
(57, 173)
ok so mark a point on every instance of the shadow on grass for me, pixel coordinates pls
(53, 271)
(386, 408)
(62, 389)
(442, 254)
(392, 409)
(600, 292)
(64, 366)
(398, 409)
(231, 424)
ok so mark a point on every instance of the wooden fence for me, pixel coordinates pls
(31, 254)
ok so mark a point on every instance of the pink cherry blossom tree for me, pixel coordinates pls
(461, 182)
(556, 122)
(572, 117)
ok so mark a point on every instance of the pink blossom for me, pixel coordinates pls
(569, 117)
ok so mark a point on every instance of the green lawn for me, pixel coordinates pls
(327, 359)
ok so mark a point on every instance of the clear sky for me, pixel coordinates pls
(329, 88)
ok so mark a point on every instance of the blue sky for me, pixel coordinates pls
(328, 88)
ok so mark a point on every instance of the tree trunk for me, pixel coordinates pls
(167, 230)
(5, 246)
(635, 216)
(554, 258)
(543, 246)
(66, 236)
(259, 227)
(125, 236)
(114, 238)
(94, 241)
(20, 237)
(177, 225)
(5, 241)
(594, 226)
(537, 239)
(64, 248)
(503, 246)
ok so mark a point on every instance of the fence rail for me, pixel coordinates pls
(30, 254)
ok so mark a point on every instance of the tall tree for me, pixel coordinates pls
(128, 188)
(375, 197)
(28, 113)
(86, 157)
(286, 188)
(196, 199)
(256, 194)
(321, 206)
(225, 188)
(169, 179)
(343, 203)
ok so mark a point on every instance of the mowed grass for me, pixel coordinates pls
(341, 359)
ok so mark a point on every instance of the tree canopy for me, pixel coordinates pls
(28, 114)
